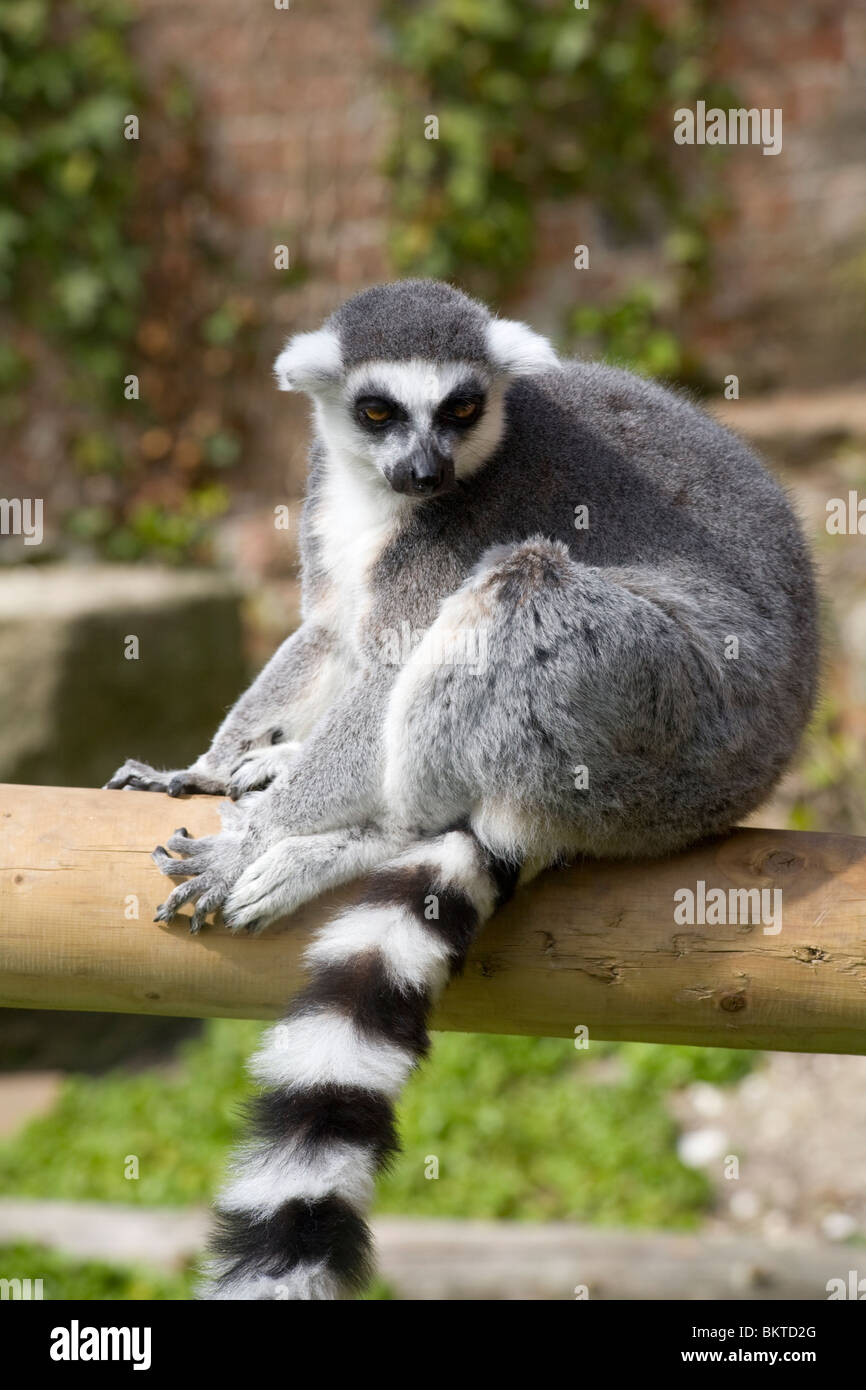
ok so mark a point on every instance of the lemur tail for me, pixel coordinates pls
(292, 1219)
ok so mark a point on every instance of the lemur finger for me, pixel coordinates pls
(178, 897)
(260, 769)
(175, 868)
(137, 777)
(197, 920)
(131, 782)
(250, 905)
(195, 784)
(179, 785)
(181, 842)
(241, 921)
(206, 904)
(187, 845)
(243, 778)
(257, 784)
(118, 778)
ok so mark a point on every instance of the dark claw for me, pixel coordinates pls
(252, 926)
(177, 786)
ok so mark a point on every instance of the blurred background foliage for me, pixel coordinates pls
(532, 107)
(115, 253)
(67, 266)
(114, 264)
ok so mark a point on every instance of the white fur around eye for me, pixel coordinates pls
(517, 349)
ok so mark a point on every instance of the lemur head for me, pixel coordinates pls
(409, 382)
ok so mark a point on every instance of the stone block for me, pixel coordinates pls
(75, 701)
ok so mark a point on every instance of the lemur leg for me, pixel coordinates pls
(333, 782)
(291, 872)
(595, 711)
(284, 701)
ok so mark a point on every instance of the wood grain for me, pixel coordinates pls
(595, 945)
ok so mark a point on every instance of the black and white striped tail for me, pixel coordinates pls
(291, 1223)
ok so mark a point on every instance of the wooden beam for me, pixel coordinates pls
(482, 1261)
(596, 945)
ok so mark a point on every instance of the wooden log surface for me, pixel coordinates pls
(596, 945)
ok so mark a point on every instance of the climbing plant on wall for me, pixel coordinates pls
(67, 266)
(112, 265)
(533, 100)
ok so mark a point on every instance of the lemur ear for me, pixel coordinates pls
(517, 349)
(309, 361)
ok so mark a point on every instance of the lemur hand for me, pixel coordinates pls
(141, 777)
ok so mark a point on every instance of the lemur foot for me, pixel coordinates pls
(211, 865)
(270, 887)
(141, 777)
(252, 889)
(298, 868)
(258, 769)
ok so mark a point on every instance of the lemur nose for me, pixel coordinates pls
(423, 482)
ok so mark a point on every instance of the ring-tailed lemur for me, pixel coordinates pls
(550, 609)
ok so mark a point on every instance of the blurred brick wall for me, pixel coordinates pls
(298, 127)
(790, 296)
(788, 303)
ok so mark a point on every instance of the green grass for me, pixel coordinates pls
(66, 1278)
(523, 1128)
(178, 1123)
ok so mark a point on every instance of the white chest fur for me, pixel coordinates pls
(354, 520)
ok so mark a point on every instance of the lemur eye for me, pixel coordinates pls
(376, 411)
(461, 410)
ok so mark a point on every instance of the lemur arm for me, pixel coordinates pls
(280, 707)
(336, 777)
(334, 781)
